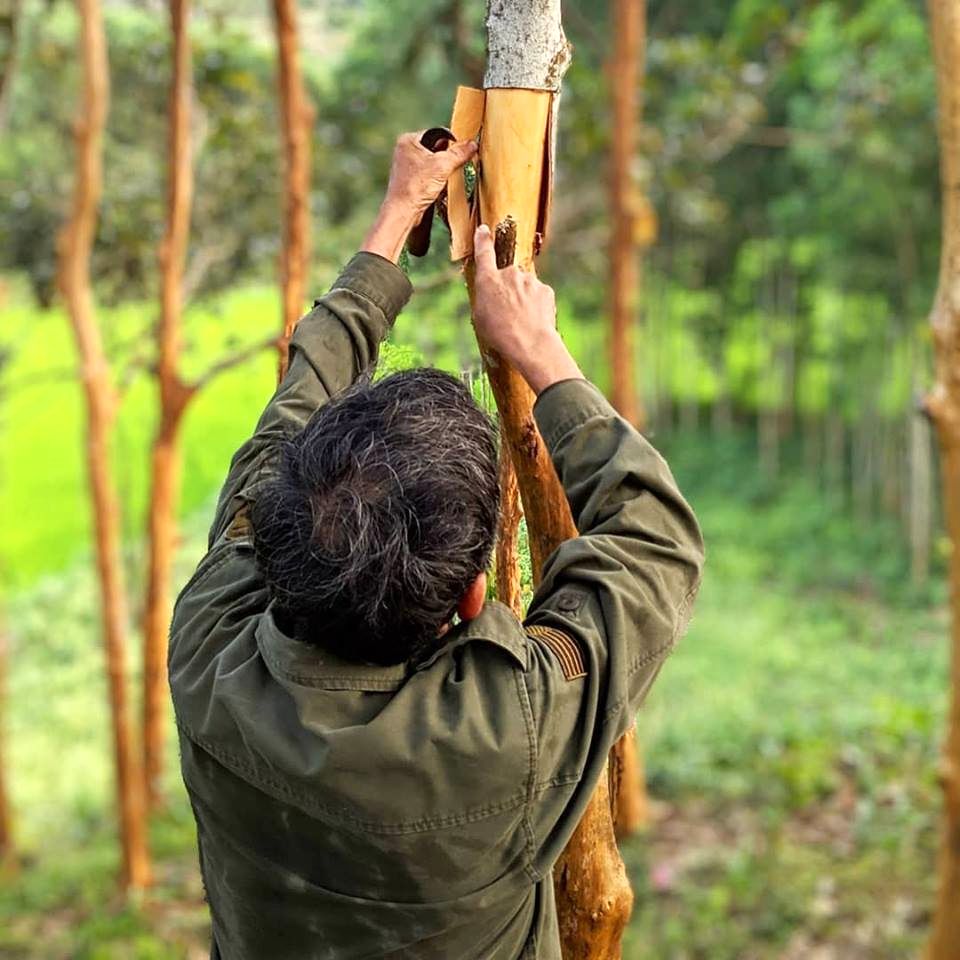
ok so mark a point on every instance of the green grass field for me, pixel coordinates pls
(790, 743)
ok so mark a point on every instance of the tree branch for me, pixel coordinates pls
(232, 360)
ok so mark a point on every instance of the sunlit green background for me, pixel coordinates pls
(790, 152)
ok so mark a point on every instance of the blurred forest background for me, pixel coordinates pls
(789, 152)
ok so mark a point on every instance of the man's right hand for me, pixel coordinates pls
(516, 314)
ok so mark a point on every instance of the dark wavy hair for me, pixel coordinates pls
(383, 511)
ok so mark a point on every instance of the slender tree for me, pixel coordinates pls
(528, 55)
(625, 76)
(10, 13)
(625, 73)
(508, 538)
(943, 406)
(75, 244)
(297, 119)
(174, 395)
(6, 823)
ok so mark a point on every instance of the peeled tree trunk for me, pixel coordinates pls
(943, 406)
(527, 57)
(297, 118)
(174, 396)
(75, 244)
(625, 74)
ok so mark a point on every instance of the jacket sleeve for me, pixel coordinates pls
(332, 347)
(611, 605)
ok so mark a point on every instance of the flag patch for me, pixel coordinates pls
(563, 647)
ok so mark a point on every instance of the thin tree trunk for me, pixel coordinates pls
(10, 11)
(943, 405)
(527, 57)
(768, 430)
(75, 244)
(6, 822)
(173, 397)
(921, 494)
(508, 539)
(834, 446)
(297, 119)
(624, 76)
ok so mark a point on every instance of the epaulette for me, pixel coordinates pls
(563, 647)
(240, 526)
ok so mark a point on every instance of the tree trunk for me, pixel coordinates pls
(10, 11)
(6, 828)
(297, 119)
(75, 244)
(943, 405)
(508, 539)
(173, 397)
(528, 54)
(768, 438)
(921, 495)
(624, 76)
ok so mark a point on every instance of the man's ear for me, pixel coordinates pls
(472, 602)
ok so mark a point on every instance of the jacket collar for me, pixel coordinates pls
(496, 623)
(302, 664)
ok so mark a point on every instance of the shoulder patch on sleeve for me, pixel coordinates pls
(563, 647)
(240, 527)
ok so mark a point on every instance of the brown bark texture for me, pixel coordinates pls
(629, 804)
(594, 898)
(297, 118)
(174, 396)
(508, 538)
(625, 73)
(10, 11)
(943, 405)
(6, 821)
(76, 241)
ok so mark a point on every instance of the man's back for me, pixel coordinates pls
(346, 809)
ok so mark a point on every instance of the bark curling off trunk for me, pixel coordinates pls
(74, 248)
(528, 54)
(297, 119)
(943, 406)
(173, 397)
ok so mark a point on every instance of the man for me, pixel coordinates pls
(381, 763)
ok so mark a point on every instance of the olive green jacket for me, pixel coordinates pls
(354, 811)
